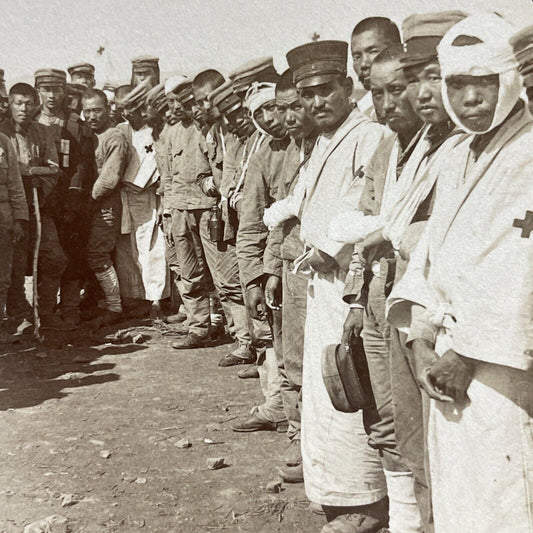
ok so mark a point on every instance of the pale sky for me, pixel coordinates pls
(190, 35)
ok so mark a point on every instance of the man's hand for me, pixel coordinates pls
(353, 325)
(452, 375)
(18, 231)
(273, 292)
(322, 262)
(167, 229)
(424, 357)
(255, 302)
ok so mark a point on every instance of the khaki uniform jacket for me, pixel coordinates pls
(260, 191)
(11, 187)
(111, 154)
(187, 168)
(34, 147)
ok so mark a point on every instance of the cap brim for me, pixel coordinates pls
(416, 60)
(314, 81)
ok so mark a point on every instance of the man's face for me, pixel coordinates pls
(136, 117)
(297, 123)
(52, 96)
(180, 111)
(241, 121)
(328, 104)
(203, 107)
(424, 92)
(84, 79)
(270, 119)
(474, 99)
(365, 47)
(22, 108)
(96, 113)
(388, 86)
(170, 119)
(143, 73)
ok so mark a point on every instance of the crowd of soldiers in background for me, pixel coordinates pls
(281, 211)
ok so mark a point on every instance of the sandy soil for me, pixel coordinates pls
(97, 419)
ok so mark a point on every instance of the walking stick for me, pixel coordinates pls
(38, 230)
(38, 172)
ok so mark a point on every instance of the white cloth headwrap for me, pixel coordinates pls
(174, 82)
(259, 94)
(256, 96)
(494, 55)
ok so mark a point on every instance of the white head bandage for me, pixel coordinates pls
(494, 55)
(256, 96)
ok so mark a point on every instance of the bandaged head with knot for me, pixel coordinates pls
(478, 47)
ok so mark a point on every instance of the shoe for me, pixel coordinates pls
(106, 318)
(293, 453)
(316, 508)
(242, 355)
(178, 318)
(56, 323)
(292, 474)
(190, 341)
(353, 523)
(254, 423)
(248, 373)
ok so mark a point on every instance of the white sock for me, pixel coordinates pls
(108, 280)
(404, 515)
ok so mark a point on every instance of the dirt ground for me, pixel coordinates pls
(95, 419)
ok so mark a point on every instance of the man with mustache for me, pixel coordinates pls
(111, 154)
(335, 453)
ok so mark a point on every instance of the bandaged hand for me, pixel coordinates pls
(451, 374)
(352, 226)
(277, 213)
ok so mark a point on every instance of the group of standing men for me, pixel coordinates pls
(371, 255)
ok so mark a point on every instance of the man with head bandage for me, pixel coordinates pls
(466, 296)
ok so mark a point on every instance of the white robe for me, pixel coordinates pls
(473, 272)
(340, 468)
(141, 262)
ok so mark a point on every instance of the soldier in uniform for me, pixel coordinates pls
(144, 67)
(111, 154)
(71, 197)
(13, 218)
(221, 256)
(4, 104)
(82, 73)
(35, 147)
